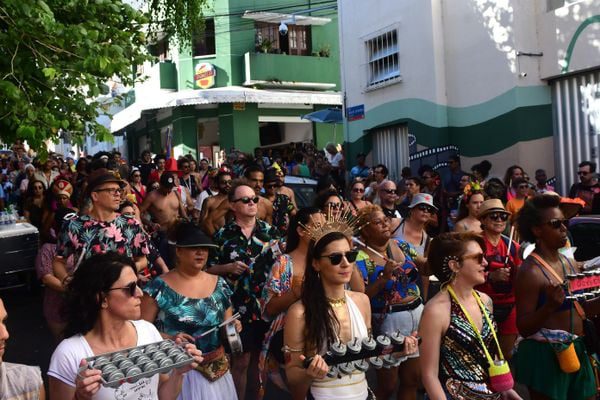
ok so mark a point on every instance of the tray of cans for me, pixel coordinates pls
(135, 363)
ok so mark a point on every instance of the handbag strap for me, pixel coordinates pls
(551, 270)
(487, 318)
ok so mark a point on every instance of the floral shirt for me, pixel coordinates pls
(258, 253)
(85, 234)
(397, 288)
(178, 313)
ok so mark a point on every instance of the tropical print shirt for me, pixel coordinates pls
(178, 313)
(86, 235)
(258, 253)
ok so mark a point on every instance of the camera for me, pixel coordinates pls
(283, 29)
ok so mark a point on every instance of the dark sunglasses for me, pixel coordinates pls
(358, 190)
(556, 223)
(389, 191)
(130, 289)
(498, 216)
(247, 200)
(336, 258)
(426, 208)
(334, 206)
(477, 257)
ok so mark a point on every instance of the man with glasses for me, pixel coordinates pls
(588, 188)
(103, 229)
(387, 197)
(210, 220)
(164, 207)
(247, 250)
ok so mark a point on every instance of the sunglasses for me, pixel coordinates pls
(247, 200)
(477, 257)
(557, 223)
(130, 289)
(498, 216)
(389, 191)
(336, 258)
(358, 190)
(112, 191)
(426, 208)
(334, 206)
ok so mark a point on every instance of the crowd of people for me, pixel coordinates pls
(469, 265)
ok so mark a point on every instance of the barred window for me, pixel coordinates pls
(383, 58)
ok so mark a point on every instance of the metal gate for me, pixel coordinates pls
(390, 148)
(576, 114)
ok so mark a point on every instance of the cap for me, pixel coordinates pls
(492, 205)
(187, 234)
(422, 198)
(62, 187)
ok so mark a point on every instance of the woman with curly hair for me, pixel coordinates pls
(468, 210)
(103, 316)
(548, 321)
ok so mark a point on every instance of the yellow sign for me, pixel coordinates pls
(204, 75)
(239, 106)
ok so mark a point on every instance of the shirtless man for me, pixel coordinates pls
(164, 206)
(286, 190)
(254, 177)
(211, 220)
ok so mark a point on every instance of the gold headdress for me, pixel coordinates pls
(343, 222)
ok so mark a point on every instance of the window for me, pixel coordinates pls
(204, 42)
(383, 59)
(295, 42)
(160, 49)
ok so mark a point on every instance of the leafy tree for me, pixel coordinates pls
(58, 54)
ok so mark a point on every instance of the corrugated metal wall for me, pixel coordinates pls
(390, 148)
(574, 139)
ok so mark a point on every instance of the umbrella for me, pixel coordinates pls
(326, 116)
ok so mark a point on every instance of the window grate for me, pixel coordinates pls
(383, 57)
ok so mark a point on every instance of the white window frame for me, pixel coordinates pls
(382, 51)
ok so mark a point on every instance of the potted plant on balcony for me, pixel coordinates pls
(324, 50)
(264, 46)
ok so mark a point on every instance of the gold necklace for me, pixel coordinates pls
(335, 303)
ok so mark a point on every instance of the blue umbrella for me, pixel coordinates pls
(326, 116)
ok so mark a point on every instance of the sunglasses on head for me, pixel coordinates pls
(247, 200)
(336, 258)
(477, 257)
(498, 216)
(426, 208)
(130, 289)
(557, 223)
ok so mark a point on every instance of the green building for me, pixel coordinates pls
(243, 84)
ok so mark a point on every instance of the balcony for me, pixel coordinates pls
(291, 72)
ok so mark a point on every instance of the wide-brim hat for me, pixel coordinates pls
(422, 198)
(492, 205)
(187, 234)
(100, 177)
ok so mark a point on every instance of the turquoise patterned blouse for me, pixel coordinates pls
(178, 313)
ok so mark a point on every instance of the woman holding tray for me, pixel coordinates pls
(103, 314)
(327, 314)
(187, 302)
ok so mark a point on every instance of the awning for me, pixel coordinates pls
(230, 94)
(276, 18)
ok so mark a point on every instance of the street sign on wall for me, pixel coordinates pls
(356, 112)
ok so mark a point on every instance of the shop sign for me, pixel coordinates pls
(239, 106)
(204, 75)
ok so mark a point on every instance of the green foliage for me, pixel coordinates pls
(57, 56)
(178, 18)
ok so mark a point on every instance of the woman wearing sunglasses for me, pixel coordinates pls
(326, 314)
(547, 320)
(457, 327)
(283, 288)
(186, 302)
(103, 316)
(391, 278)
(502, 266)
(357, 195)
(136, 185)
(330, 202)
(468, 210)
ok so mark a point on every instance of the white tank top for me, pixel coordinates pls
(349, 387)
